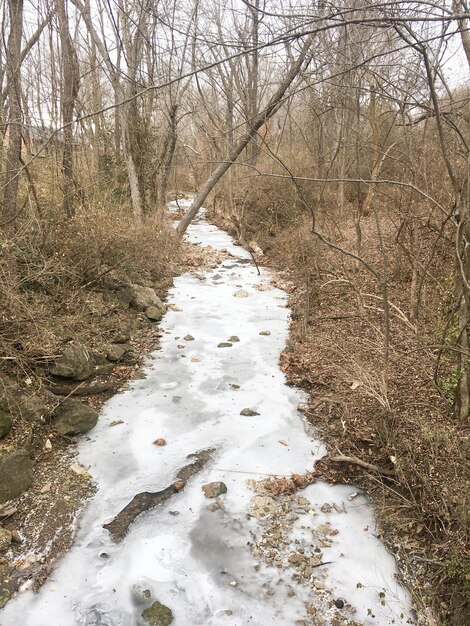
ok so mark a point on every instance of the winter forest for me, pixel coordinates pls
(327, 146)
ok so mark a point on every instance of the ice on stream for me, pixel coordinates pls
(198, 562)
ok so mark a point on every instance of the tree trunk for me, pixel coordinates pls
(164, 161)
(13, 64)
(70, 78)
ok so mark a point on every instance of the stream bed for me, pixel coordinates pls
(247, 557)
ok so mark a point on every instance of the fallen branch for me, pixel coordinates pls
(80, 390)
(355, 461)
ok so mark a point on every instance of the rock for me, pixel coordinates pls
(115, 352)
(224, 344)
(116, 422)
(145, 297)
(76, 363)
(5, 423)
(215, 489)
(78, 469)
(73, 417)
(188, 338)
(265, 333)
(160, 442)
(233, 339)
(339, 604)
(264, 506)
(16, 536)
(158, 615)
(16, 471)
(7, 510)
(154, 314)
(5, 539)
(248, 412)
(15, 400)
(99, 358)
(254, 247)
(129, 357)
(241, 293)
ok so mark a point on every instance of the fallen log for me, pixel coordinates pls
(147, 500)
(80, 390)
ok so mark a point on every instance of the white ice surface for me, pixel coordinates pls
(189, 560)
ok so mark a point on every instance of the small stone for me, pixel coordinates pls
(5, 539)
(160, 442)
(285, 442)
(46, 488)
(48, 445)
(16, 536)
(241, 293)
(174, 513)
(7, 510)
(179, 485)
(154, 314)
(233, 339)
(78, 469)
(158, 615)
(296, 559)
(248, 412)
(234, 386)
(339, 604)
(233, 583)
(265, 333)
(224, 344)
(215, 489)
(318, 584)
(326, 508)
(188, 338)
(116, 422)
(195, 359)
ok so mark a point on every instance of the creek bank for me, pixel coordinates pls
(41, 420)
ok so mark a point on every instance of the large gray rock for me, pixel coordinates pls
(16, 474)
(154, 313)
(145, 297)
(5, 423)
(76, 362)
(73, 417)
(17, 401)
(158, 615)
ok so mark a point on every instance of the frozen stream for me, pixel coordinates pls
(198, 562)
